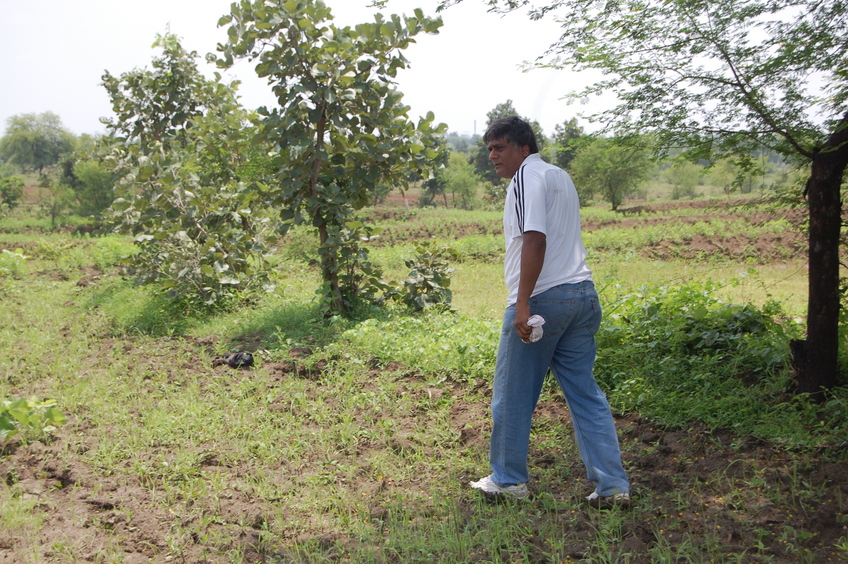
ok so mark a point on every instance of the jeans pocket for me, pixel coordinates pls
(558, 314)
(595, 323)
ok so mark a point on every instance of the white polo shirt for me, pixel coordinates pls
(542, 197)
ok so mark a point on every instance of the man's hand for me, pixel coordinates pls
(522, 314)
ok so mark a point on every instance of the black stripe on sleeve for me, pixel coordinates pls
(518, 191)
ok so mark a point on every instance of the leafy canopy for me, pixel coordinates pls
(726, 76)
(611, 168)
(340, 129)
(565, 139)
(35, 141)
(183, 149)
(720, 76)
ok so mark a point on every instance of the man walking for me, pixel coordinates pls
(547, 276)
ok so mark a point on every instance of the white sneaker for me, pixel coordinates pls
(621, 499)
(494, 491)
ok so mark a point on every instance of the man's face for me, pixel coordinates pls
(506, 157)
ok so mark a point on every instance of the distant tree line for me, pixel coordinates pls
(610, 169)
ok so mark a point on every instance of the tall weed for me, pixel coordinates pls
(12, 263)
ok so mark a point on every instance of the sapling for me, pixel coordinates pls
(36, 419)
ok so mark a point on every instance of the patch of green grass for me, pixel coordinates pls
(23, 222)
(17, 515)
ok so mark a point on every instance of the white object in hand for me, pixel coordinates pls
(536, 322)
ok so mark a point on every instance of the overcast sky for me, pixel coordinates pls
(55, 53)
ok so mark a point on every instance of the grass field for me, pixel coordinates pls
(353, 441)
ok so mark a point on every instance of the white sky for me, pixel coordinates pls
(56, 51)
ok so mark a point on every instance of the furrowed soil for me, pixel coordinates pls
(710, 495)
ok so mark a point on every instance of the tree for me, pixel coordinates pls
(611, 168)
(434, 186)
(731, 177)
(186, 188)
(725, 79)
(683, 177)
(458, 180)
(565, 137)
(86, 173)
(11, 192)
(56, 198)
(94, 187)
(340, 127)
(35, 141)
(482, 164)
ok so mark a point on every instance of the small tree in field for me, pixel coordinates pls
(91, 179)
(94, 187)
(610, 168)
(181, 152)
(683, 177)
(457, 179)
(56, 198)
(11, 192)
(566, 136)
(340, 129)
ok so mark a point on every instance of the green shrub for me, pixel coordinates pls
(12, 264)
(680, 355)
(33, 419)
(11, 192)
(428, 283)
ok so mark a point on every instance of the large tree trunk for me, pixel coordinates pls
(823, 193)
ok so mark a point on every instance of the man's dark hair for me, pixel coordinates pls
(515, 130)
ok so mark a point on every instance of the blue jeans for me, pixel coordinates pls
(572, 316)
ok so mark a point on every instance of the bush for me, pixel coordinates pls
(95, 189)
(12, 264)
(679, 355)
(32, 418)
(11, 192)
(428, 284)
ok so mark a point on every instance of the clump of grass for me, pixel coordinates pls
(448, 344)
(12, 263)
